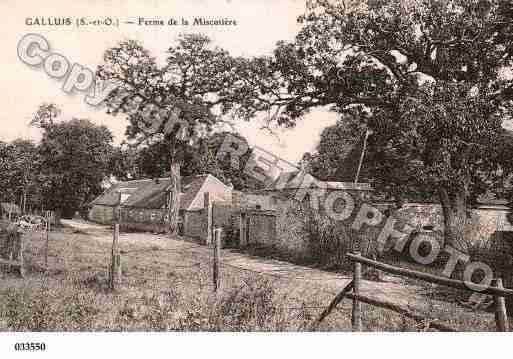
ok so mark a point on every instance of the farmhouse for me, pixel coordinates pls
(144, 202)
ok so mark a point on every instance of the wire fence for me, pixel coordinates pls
(149, 268)
(152, 255)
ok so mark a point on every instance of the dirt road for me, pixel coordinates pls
(392, 289)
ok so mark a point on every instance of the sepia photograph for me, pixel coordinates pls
(255, 172)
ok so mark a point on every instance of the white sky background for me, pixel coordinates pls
(260, 24)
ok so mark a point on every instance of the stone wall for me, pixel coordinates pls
(291, 237)
(278, 223)
(222, 214)
(261, 228)
(195, 224)
(482, 223)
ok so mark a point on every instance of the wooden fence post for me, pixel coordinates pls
(115, 261)
(356, 318)
(242, 230)
(216, 256)
(47, 230)
(11, 246)
(207, 204)
(21, 261)
(115, 265)
(501, 316)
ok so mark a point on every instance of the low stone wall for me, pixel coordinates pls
(291, 237)
(482, 222)
(195, 224)
(261, 227)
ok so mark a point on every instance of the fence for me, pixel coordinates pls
(115, 263)
(497, 291)
(352, 290)
(12, 242)
(11, 252)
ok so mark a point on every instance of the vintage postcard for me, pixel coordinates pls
(320, 167)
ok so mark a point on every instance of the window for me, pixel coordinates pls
(124, 197)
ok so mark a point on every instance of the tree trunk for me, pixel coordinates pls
(173, 207)
(454, 207)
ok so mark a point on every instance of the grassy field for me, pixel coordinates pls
(168, 288)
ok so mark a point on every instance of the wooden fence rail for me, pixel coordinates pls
(458, 284)
(496, 290)
(433, 323)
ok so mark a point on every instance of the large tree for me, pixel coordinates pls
(428, 78)
(195, 87)
(75, 158)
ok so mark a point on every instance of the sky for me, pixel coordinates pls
(260, 24)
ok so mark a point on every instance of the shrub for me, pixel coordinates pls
(328, 240)
(249, 307)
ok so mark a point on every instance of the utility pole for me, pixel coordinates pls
(362, 155)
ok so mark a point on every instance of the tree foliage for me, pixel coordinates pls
(19, 163)
(426, 77)
(152, 161)
(75, 158)
(338, 153)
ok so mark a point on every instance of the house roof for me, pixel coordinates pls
(298, 179)
(151, 193)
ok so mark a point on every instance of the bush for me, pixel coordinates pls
(328, 241)
(249, 307)
(43, 309)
